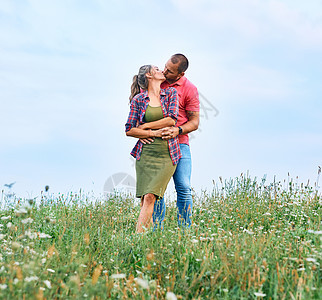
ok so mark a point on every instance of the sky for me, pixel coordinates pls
(66, 68)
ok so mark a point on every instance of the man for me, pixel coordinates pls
(188, 121)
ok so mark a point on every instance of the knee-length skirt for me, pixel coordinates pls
(154, 169)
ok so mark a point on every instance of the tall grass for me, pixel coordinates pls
(248, 240)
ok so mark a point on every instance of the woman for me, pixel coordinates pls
(151, 110)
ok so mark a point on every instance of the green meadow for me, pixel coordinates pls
(250, 239)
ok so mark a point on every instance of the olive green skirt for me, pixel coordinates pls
(154, 169)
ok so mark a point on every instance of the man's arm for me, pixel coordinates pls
(193, 122)
(191, 125)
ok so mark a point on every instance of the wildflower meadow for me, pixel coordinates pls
(249, 240)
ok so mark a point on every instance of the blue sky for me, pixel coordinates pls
(66, 69)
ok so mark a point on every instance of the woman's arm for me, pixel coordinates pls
(165, 122)
(143, 134)
(133, 117)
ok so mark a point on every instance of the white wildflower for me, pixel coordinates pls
(3, 286)
(84, 266)
(31, 278)
(311, 259)
(6, 218)
(138, 272)
(267, 214)
(171, 296)
(47, 283)
(2, 236)
(315, 232)
(292, 258)
(259, 294)
(44, 235)
(248, 231)
(142, 283)
(194, 241)
(21, 210)
(198, 259)
(31, 235)
(26, 221)
(225, 290)
(9, 225)
(43, 260)
(51, 270)
(118, 276)
(15, 281)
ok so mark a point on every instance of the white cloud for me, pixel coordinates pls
(259, 20)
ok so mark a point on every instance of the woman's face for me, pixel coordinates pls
(157, 73)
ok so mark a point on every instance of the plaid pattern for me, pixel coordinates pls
(170, 108)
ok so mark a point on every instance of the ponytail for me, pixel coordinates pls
(135, 88)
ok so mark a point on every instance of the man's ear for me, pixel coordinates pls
(180, 75)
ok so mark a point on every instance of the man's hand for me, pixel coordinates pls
(169, 132)
(142, 126)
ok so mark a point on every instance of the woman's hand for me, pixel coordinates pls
(147, 141)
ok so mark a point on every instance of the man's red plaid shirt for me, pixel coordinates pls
(170, 108)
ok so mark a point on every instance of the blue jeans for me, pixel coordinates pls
(181, 178)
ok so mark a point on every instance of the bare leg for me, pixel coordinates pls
(145, 216)
(141, 204)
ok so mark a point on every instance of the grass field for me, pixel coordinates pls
(249, 240)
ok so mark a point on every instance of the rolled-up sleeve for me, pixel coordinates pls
(133, 115)
(173, 104)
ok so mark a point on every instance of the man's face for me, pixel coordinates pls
(171, 72)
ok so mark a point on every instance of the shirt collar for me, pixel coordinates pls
(145, 93)
(179, 82)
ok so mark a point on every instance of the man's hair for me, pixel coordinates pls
(182, 60)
